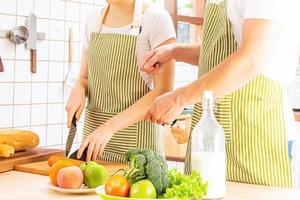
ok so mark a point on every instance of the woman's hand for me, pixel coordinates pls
(75, 104)
(165, 109)
(152, 60)
(96, 142)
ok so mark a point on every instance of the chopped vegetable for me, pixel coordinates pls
(184, 187)
(147, 164)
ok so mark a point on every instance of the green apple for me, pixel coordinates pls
(143, 189)
(85, 165)
(95, 176)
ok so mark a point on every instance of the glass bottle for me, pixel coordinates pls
(208, 149)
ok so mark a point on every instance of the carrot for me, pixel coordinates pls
(54, 158)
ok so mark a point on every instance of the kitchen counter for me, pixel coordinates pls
(16, 185)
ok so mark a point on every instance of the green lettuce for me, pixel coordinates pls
(184, 187)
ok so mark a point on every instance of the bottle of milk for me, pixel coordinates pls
(208, 149)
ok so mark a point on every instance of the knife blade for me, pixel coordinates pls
(83, 156)
(71, 136)
(31, 41)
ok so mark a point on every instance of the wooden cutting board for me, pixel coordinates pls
(28, 156)
(42, 168)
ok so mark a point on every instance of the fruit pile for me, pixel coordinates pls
(72, 174)
(147, 177)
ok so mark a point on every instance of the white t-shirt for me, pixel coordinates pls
(283, 63)
(157, 27)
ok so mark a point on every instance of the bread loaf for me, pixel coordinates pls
(19, 139)
(6, 151)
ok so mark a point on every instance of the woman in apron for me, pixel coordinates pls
(118, 93)
(248, 56)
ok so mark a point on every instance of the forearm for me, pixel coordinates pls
(240, 67)
(188, 53)
(134, 113)
(230, 75)
(82, 81)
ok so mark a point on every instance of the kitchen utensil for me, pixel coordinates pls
(71, 136)
(71, 76)
(28, 156)
(19, 35)
(100, 191)
(31, 42)
(1, 65)
(70, 45)
(83, 156)
(42, 167)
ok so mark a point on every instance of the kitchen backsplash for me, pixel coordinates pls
(37, 101)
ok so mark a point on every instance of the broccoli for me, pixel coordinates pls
(147, 164)
(136, 169)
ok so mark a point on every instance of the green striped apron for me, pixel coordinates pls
(252, 117)
(115, 83)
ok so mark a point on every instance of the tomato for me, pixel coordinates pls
(117, 186)
(143, 189)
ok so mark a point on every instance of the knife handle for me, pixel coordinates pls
(33, 60)
(1, 66)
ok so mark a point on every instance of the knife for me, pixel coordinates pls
(71, 136)
(31, 41)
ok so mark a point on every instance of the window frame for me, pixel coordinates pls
(172, 7)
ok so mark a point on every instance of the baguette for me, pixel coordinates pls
(6, 151)
(19, 139)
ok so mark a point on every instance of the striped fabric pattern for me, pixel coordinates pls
(252, 117)
(115, 84)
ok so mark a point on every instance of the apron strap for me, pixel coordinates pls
(136, 26)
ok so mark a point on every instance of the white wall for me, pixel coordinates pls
(37, 101)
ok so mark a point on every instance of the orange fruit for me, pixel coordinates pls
(56, 167)
(54, 158)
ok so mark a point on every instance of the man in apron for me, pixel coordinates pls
(242, 54)
(118, 96)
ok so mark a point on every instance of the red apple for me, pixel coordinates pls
(70, 177)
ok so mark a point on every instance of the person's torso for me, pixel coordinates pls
(283, 62)
(146, 39)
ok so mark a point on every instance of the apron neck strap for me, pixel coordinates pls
(136, 26)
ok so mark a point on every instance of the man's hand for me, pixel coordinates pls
(152, 60)
(165, 109)
(96, 143)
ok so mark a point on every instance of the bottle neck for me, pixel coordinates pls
(208, 106)
(208, 112)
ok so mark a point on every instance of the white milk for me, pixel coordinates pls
(212, 169)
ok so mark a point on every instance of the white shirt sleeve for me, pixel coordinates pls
(89, 27)
(274, 10)
(161, 29)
